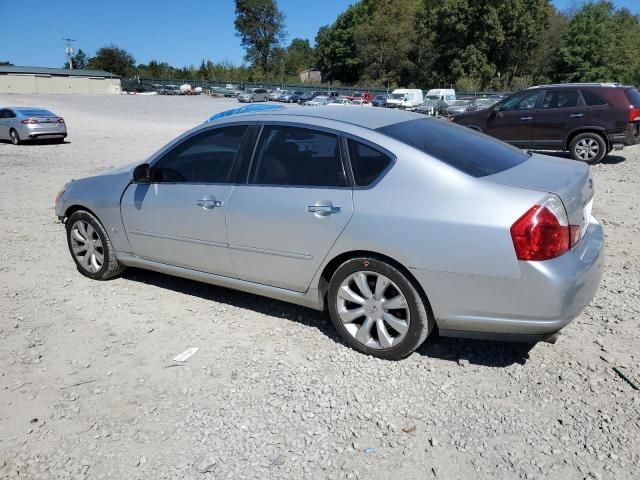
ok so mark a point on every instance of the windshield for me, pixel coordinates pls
(432, 97)
(469, 151)
(397, 96)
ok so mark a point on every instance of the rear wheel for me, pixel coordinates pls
(588, 147)
(377, 310)
(15, 138)
(90, 247)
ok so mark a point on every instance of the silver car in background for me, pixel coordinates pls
(253, 95)
(394, 222)
(21, 124)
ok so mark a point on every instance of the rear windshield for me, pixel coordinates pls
(471, 152)
(634, 97)
(36, 113)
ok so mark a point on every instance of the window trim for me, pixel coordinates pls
(181, 141)
(337, 134)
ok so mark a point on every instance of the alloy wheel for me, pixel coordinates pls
(14, 137)
(373, 310)
(587, 149)
(87, 246)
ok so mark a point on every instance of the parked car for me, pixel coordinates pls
(480, 103)
(361, 103)
(318, 101)
(275, 95)
(20, 124)
(360, 96)
(291, 97)
(406, 98)
(253, 95)
(380, 100)
(446, 94)
(430, 106)
(307, 97)
(457, 106)
(339, 102)
(586, 119)
(472, 235)
(171, 90)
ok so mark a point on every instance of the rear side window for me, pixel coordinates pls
(592, 99)
(367, 163)
(205, 158)
(298, 157)
(634, 96)
(471, 152)
(560, 99)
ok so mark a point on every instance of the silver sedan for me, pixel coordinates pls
(20, 124)
(393, 222)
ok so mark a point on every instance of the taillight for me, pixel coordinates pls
(634, 114)
(29, 121)
(61, 120)
(543, 232)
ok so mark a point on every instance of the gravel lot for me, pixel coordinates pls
(88, 388)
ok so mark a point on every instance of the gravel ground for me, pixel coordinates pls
(88, 388)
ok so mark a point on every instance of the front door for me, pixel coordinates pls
(512, 121)
(179, 218)
(284, 221)
(562, 110)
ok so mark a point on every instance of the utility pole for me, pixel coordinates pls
(69, 50)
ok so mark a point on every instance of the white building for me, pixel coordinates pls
(58, 80)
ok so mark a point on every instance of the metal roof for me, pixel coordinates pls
(56, 71)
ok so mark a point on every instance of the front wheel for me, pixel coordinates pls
(377, 310)
(90, 247)
(588, 147)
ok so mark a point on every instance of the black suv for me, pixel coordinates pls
(586, 119)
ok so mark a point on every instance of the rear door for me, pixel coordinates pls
(561, 112)
(283, 221)
(513, 121)
(6, 117)
(179, 218)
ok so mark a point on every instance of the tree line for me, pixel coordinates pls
(468, 44)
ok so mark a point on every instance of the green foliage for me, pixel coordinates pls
(260, 26)
(299, 56)
(114, 60)
(78, 61)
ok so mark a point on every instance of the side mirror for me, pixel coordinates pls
(142, 173)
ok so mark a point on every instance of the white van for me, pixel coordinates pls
(407, 98)
(446, 94)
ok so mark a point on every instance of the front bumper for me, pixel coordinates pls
(547, 296)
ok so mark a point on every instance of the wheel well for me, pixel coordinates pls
(573, 135)
(74, 208)
(331, 267)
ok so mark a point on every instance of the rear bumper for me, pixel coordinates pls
(630, 137)
(547, 296)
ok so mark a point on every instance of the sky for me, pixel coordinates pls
(180, 33)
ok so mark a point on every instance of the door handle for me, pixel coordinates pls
(576, 115)
(524, 119)
(209, 203)
(323, 210)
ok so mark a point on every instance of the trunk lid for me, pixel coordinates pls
(568, 179)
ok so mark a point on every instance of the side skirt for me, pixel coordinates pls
(310, 299)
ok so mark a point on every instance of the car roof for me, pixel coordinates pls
(577, 84)
(375, 118)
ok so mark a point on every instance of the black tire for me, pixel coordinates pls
(15, 138)
(577, 151)
(421, 321)
(58, 140)
(110, 266)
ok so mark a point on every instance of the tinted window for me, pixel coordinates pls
(298, 156)
(205, 158)
(522, 101)
(592, 99)
(367, 163)
(36, 113)
(634, 96)
(6, 113)
(469, 151)
(560, 99)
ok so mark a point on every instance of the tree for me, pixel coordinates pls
(298, 57)
(114, 60)
(78, 61)
(260, 26)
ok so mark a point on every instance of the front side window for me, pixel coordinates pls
(560, 99)
(205, 158)
(367, 163)
(298, 157)
(523, 101)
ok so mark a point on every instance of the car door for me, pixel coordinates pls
(178, 218)
(561, 111)
(283, 221)
(5, 122)
(512, 120)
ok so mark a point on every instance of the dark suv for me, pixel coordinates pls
(587, 119)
